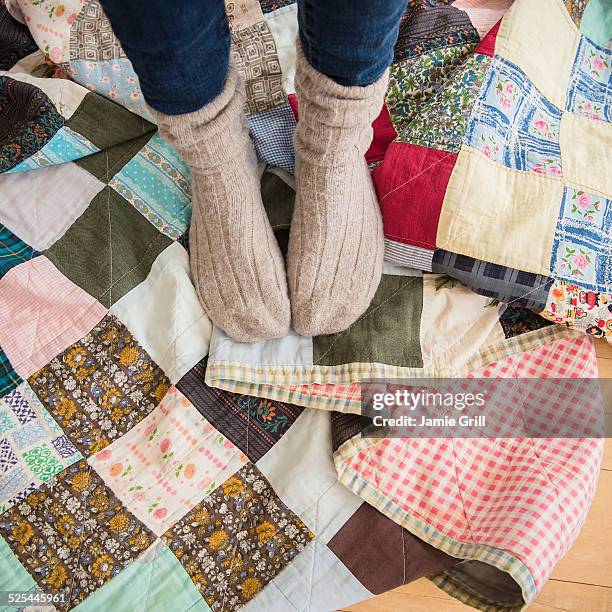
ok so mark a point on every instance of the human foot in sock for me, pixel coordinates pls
(336, 243)
(237, 267)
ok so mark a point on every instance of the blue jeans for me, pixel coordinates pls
(180, 50)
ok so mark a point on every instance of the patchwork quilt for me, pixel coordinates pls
(149, 462)
(501, 176)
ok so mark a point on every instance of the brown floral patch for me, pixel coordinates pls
(73, 534)
(101, 386)
(237, 539)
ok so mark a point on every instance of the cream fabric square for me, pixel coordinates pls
(499, 215)
(541, 39)
(455, 325)
(283, 24)
(586, 154)
(165, 315)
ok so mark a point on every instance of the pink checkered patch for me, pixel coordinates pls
(525, 496)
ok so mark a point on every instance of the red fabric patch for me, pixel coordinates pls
(487, 45)
(293, 103)
(411, 184)
(384, 135)
(384, 132)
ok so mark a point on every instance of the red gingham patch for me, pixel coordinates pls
(525, 496)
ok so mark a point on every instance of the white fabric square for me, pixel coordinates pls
(291, 350)
(40, 205)
(301, 470)
(316, 580)
(165, 315)
(283, 24)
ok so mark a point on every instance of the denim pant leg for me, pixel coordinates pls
(350, 41)
(179, 50)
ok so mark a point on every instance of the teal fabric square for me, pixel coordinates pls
(157, 182)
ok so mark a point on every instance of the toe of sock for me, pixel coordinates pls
(255, 321)
(256, 326)
(318, 317)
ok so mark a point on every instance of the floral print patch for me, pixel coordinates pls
(167, 463)
(237, 540)
(33, 447)
(513, 124)
(589, 91)
(101, 386)
(575, 8)
(581, 249)
(73, 535)
(580, 308)
(413, 81)
(114, 79)
(34, 117)
(442, 121)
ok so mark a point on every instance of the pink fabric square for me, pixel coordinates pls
(167, 463)
(484, 14)
(42, 313)
(525, 496)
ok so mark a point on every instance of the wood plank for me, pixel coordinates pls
(417, 596)
(605, 367)
(606, 464)
(603, 349)
(422, 595)
(590, 559)
(572, 596)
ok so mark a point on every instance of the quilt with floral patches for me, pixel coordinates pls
(147, 461)
(501, 176)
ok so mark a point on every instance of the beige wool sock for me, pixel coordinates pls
(237, 267)
(336, 243)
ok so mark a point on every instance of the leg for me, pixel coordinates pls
(179, 50)
(181, 58)
(336, 243)
(350, 41)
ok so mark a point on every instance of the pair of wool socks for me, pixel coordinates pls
(335, 253)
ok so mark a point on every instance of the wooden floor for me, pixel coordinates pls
(582, 581)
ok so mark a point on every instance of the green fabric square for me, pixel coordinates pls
(118, 133)
(109, 249)
(105, 123)
(156, 581)
(279, 200)
(388, 332)
(105, 164)
(13, 576)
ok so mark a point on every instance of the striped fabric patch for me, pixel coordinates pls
(408, 255)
